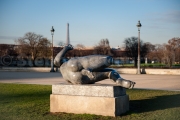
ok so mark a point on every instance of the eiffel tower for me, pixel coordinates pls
(67, 39)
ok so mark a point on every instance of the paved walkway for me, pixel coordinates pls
(143, 81)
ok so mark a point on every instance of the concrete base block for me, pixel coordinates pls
(103, 100)
(96, 90)
(106, 106)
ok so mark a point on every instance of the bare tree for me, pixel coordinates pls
(103, 48)
(34, 45)
(171, 51)
(7, 49)
(44, 49)
(174, 45)
(177, 60)
(156, 53)
(104, 43)
(131, 47)
(61, 44)
(80, 46)
(79, 49)
(4, 49)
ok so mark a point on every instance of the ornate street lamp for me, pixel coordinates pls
(139, 58)
(52, 60)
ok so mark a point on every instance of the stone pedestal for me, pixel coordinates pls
(96, 99)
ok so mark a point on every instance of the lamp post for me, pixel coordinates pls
(139, 58)
(52, 60)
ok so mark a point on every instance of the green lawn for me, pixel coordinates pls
(149, 65)
(31, 102)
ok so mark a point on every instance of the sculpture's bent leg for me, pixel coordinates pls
(92, 77)
(84, 77)
(88, 73)
(120, 81)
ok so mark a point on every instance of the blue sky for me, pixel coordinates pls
(90, 20)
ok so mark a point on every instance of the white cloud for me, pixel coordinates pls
(165, 17)
(8, 37)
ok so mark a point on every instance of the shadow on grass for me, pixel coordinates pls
(153, 104)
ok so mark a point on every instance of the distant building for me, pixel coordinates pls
(118, 54)
(116, 48)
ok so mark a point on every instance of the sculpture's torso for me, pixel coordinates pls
(71, 69)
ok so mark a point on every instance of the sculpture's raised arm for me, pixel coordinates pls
(61, 54)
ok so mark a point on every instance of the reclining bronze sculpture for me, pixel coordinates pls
(89, 69)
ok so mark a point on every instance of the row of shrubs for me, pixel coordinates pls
(146, 66)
